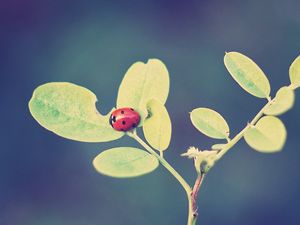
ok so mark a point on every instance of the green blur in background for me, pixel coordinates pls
(48, 180)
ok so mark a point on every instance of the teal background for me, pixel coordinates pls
(47, 180)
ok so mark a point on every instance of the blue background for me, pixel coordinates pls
(47, 180)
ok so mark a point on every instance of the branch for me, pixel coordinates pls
(234, 140)
(179, 178)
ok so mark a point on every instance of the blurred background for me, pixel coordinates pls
(48, 180)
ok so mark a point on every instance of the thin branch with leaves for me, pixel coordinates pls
(69, 111)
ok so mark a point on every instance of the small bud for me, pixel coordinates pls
(200, 157)
(192, 152)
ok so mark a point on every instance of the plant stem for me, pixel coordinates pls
(192, 194)
(193, 208)
(179, 178)
(192, 217)
(196, 189)
(234, 140)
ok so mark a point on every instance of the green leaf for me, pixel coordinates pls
(124, 162)
(295, 73)
(210, 123)
(141, 83)
(157, 128)
(247, 74)
(282, 102)
(69, 111)
(267, 136)
(218, 146)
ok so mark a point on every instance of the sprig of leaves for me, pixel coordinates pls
(69, 111)
(265, 134)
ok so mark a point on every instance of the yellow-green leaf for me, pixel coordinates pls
(295, 73)
(217, 146)
(267, 136)
(282, 102)
(247, 74)
(157, 127)
(69, 111)
(210, 123)
(124, 162)
(143, 82)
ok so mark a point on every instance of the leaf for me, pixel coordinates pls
(295, 73)
(267, 136)
(69, 111)
(247, 74)
(282, 102)
(124, 162)
(157, 128)
(210, 123)
(217, 146)
(141, 83)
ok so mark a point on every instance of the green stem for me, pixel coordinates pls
(234, 140)
(179, 178)
(192, 194)
(184, 184)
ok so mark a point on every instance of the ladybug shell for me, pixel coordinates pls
(124, 119)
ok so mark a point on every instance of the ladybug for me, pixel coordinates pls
(124, 119)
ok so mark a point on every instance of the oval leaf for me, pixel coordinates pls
(267, 136)
(282, 102)
(210, 123)
(143, 82)
(69, 111)
(247, 74)
(295, 73)
(125, 162)
(157, 128)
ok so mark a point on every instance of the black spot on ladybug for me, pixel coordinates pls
(133, 125)
(114, 118)
(123, 122)
(122, 129)
(131, 109)
(122, 112)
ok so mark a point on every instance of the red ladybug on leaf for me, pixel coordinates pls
(124, 119)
